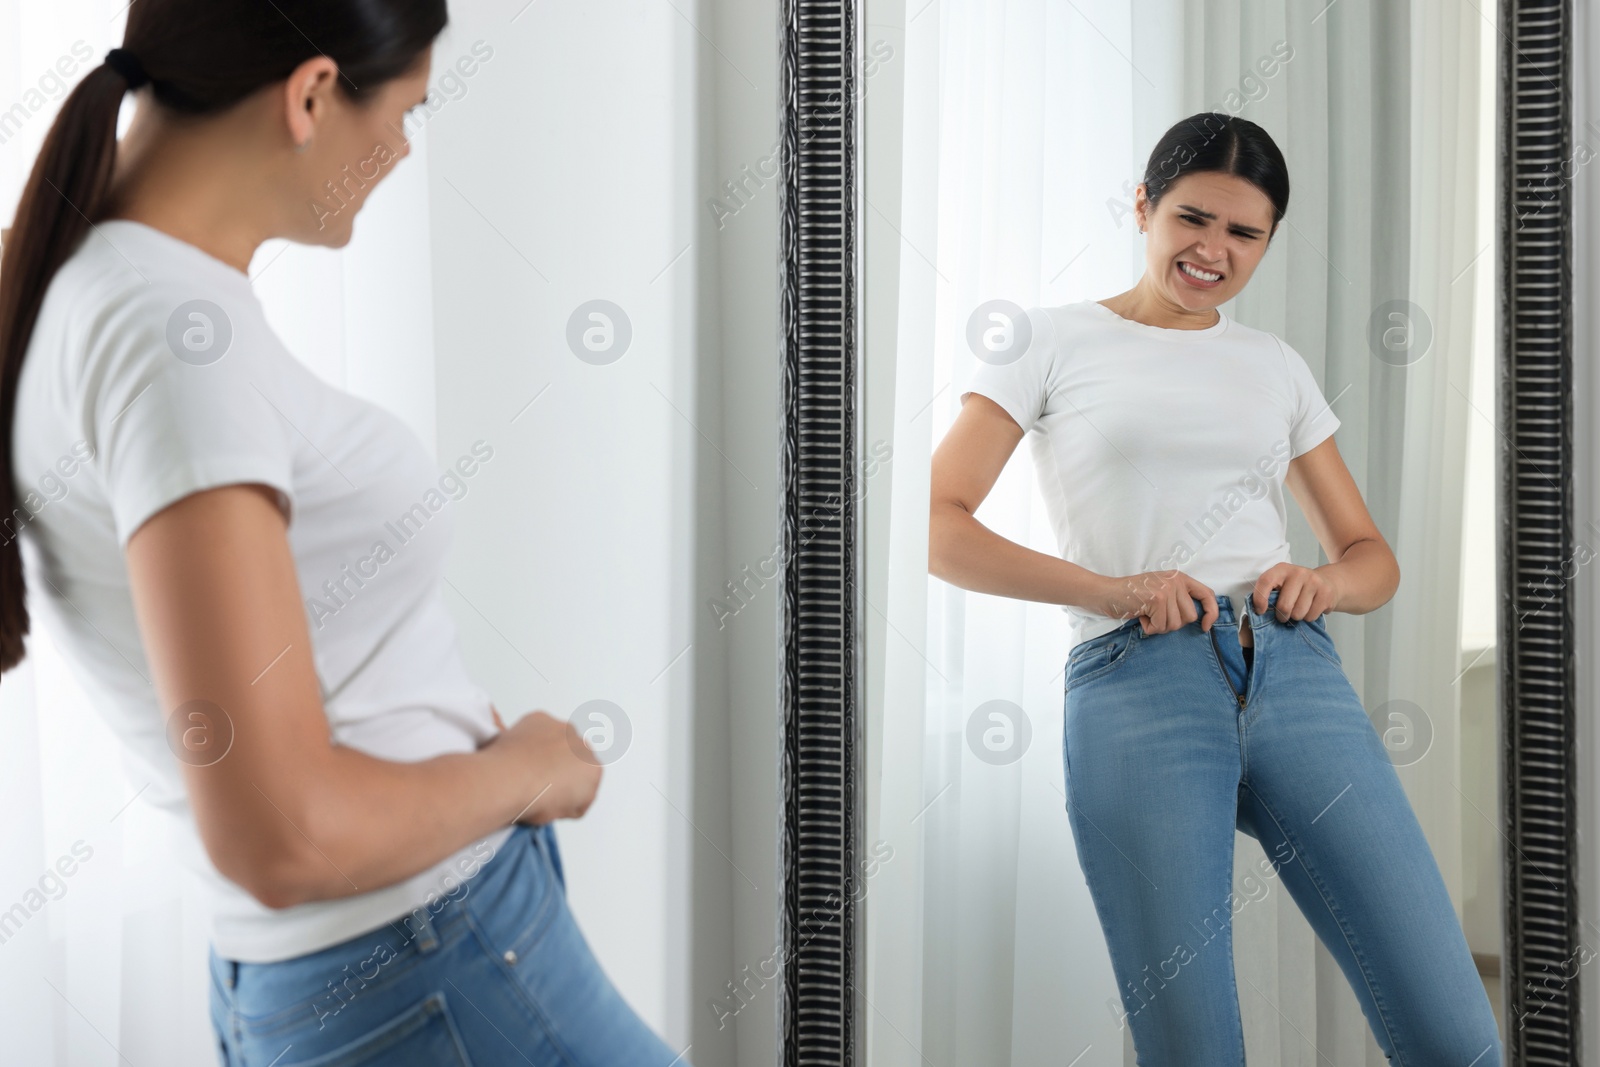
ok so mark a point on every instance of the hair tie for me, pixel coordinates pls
(127, 64)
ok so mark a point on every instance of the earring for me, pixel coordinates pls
(303, 145)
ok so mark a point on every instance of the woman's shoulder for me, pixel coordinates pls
(1077, 317)
(111, 311)
(1072, 314)
(91, 277)
(1056, 327)
(119, 262)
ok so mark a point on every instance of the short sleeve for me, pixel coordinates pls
(1312, 421)
(166, 427)
(1012, 359)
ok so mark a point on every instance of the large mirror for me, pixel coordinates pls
(506, 408)
(1097, 823)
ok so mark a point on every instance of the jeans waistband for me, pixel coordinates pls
(428, 924)
(1228, 612)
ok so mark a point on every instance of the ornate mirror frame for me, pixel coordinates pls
(1537, 644)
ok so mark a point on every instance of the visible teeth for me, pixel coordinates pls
(1196, 272)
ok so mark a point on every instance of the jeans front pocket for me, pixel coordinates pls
(1315, 633)
(1100, 655)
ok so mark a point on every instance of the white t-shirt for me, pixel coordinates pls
(128, 402)
(1159, 448)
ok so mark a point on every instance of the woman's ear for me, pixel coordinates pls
(306, 97)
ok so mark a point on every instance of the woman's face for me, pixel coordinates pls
(354, 146)
(1218, 223)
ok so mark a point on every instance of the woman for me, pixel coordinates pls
(1166, 432)
(386, 879)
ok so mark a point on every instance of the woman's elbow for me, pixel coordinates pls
(940, 529)
(936, 554)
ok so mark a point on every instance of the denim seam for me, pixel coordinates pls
(1082, 648)
(508, 972)
(1096, 891)
(266, 1025)
(1121, 657)
(410, 953)
(1338, 917)
(1231, 969)
(540, 916)
(226, 1025)
(454, 1028)
(1321, 653)
(417, 1017)
(216, 984)
(1066, 758)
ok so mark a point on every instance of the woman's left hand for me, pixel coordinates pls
(1303, 592)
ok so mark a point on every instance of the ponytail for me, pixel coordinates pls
(67, 188)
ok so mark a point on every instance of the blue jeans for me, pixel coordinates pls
(1171, 743)
(495, 974)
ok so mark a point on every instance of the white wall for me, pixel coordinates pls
(554, 179)
(736, 193)
(627, 495)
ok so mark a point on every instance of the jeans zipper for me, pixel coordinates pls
(1236, 694)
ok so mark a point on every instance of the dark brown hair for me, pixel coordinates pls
(200, 57)
(1228, 144)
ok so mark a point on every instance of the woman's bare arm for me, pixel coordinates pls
(285, 813)
(966, 553)
(1362, 565)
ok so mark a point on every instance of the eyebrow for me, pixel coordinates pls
(1208, 215)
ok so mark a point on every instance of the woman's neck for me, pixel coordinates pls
(1142, 306)
(191, 186)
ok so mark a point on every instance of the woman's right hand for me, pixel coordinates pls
(562, 769)
(1163, 600)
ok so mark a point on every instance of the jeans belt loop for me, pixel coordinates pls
(421, 922)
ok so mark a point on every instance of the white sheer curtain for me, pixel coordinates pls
(1026, 126)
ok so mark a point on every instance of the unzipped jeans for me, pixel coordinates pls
(1171, 743)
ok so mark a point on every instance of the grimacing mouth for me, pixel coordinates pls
(1222, 275)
